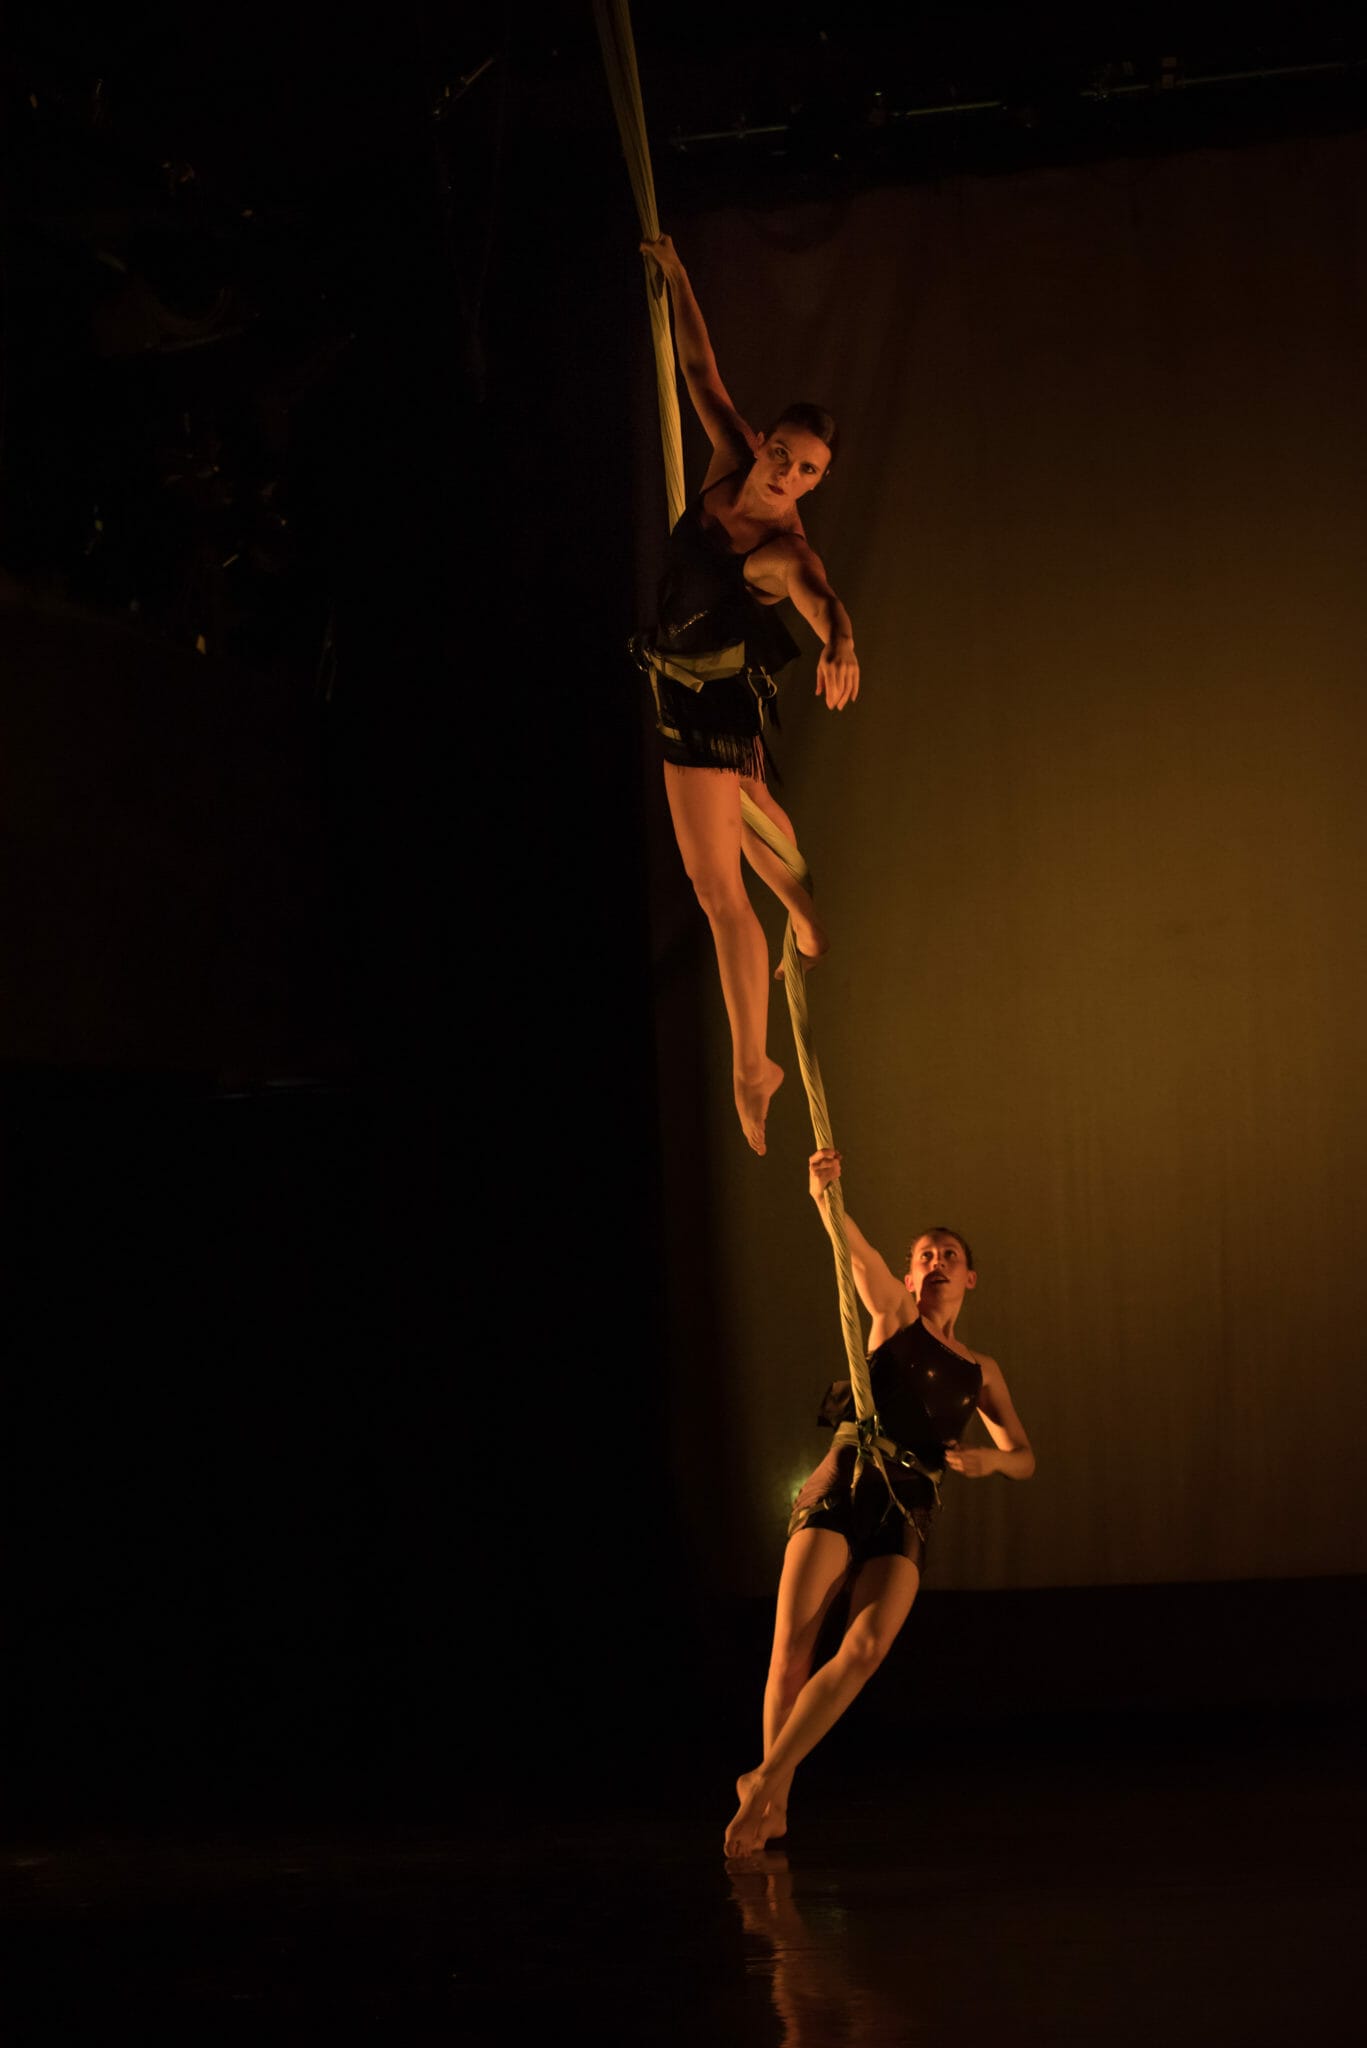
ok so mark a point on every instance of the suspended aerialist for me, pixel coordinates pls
(712, 655)
(852, 1529)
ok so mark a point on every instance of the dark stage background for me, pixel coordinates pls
(329, 1161)
(405, 1362)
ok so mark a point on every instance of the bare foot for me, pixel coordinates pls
(808, 960)
(761, 1817)
(752, 1102)
(812, 941)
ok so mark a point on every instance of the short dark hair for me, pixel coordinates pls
(813, 419)
(942, 1230)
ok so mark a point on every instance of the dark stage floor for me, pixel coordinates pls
(1151, 1880)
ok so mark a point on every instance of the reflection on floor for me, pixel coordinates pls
(1145, 1883)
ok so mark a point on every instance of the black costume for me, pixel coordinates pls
(925, 1395)
(713, 652)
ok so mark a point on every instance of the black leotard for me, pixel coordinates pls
(704, 605)
(924, 1392)
(925, 1395)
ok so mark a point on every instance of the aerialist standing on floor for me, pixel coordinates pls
(852, 1531)
(712, 653)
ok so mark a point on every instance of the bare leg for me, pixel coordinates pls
(880, 1601)
(815, 1563)
(814, 1567)
(705, 807)
(811, 934)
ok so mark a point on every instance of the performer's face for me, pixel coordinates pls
(789, 463)
(939, 1275)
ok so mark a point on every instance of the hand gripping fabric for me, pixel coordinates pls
(613, 18)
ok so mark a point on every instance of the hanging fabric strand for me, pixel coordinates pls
(613, 18)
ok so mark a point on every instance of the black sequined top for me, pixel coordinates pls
(925, 1393)
(704, 602)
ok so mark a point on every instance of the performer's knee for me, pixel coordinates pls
(791, 1662)
(866, 1645)
(719, 890)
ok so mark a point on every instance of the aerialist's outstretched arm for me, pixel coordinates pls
(732, 438)
(788, 567)
(882, 1293)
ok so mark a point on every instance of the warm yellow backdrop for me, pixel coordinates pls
(1092, 849)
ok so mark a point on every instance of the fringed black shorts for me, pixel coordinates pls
(863, 1511)
(719, 726)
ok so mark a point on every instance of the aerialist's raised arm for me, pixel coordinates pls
(731, 436)
(883, 1295)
